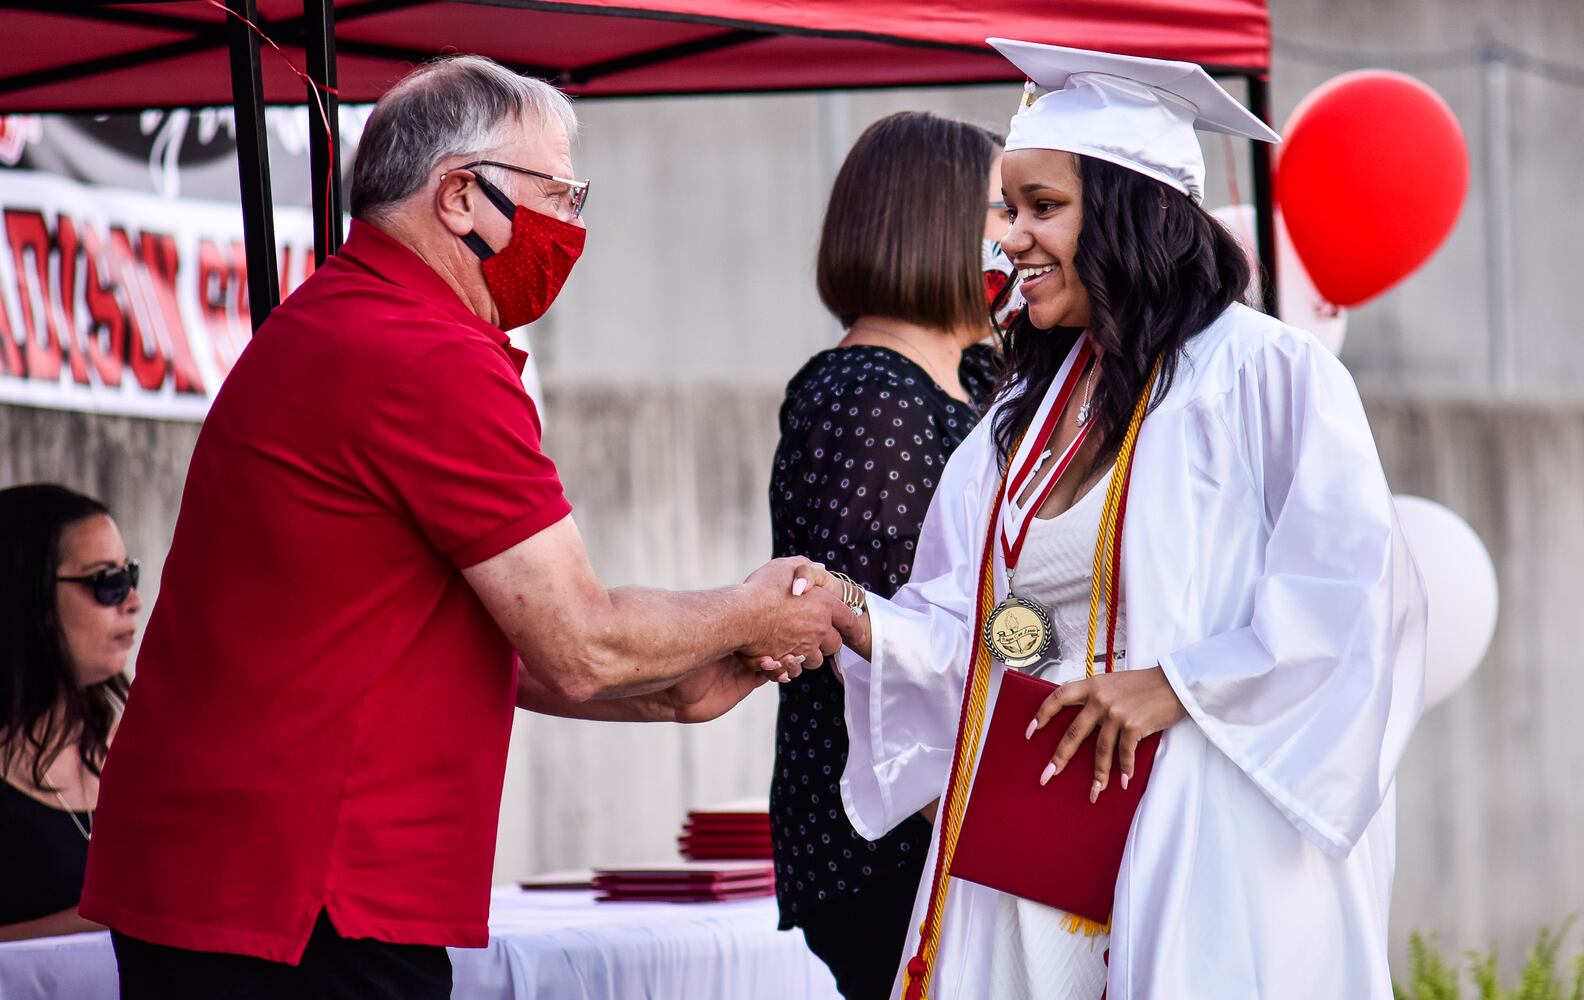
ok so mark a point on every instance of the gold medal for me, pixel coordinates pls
(1018, 632)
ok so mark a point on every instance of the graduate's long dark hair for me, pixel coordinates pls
(43, 711)
(1158, 269)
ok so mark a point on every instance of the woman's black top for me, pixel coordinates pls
(865, 433)
(42, 857)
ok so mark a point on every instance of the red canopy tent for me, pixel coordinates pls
(84, 55)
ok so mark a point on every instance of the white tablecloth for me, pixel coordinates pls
(543, 946)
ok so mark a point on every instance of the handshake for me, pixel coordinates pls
(807, 615)
(787, 617)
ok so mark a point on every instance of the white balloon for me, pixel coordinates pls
(1460, 585)
(1299, 302)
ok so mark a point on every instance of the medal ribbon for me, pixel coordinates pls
(1015, 517)
(970, 720)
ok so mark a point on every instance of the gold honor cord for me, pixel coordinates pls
(971, 719)
(1106, 547)
(969, 723)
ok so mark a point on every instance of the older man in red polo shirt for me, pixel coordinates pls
(303, 797)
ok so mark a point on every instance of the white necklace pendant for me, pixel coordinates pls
(1083, 414)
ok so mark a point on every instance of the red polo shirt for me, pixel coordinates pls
(322, 705)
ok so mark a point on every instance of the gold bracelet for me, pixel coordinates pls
(853, 595)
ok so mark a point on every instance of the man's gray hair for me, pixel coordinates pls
(458, 105)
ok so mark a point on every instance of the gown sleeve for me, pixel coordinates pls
(902, 705)
(1316, 698)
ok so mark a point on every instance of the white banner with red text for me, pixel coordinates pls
(120, 302)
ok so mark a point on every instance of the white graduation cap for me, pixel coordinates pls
(1135, 112)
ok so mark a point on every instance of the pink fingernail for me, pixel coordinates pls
(1029, 733)
(1048, 773)
(1094, 792)
(1124, 781)
(798, 586)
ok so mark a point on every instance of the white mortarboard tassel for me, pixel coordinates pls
(1135, 112)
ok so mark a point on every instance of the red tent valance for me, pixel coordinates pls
(74, 55)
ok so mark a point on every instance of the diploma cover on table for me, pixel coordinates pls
(1046, 843)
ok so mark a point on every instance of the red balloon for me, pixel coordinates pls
(1372, 176)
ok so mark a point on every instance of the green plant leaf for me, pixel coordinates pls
(1432, 977)
(1482, 969)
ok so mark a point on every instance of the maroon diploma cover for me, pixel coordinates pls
(1046, 843)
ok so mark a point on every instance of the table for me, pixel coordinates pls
(543, 946)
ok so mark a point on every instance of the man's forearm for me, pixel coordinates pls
(640, 641)
(583, 641)
(534, 696)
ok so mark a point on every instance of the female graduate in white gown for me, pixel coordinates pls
(1274, 617)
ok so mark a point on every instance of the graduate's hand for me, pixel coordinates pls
(782, 670)
(809, 575)
(797, 621)
(1122, 708)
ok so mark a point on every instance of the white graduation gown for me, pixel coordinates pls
(1265, 571)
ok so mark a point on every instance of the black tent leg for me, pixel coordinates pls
(258, 218)
(324, 150)
(1264, 194)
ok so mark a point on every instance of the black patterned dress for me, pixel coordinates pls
(865, 433)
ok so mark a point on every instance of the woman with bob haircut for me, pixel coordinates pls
(1261, 612)
(865, 432)
(66, 628)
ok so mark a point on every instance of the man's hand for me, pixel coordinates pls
(797, 621)
(1123, 708)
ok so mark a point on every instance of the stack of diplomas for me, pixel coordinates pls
(686, 882)
(734, 830)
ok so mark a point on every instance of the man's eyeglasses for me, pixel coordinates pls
(576, 191)
(110, 585)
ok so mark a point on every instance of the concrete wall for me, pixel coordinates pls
(1491, 811)
(669, 489)
(1493, 310)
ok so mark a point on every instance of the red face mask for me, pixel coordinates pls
(526, 274)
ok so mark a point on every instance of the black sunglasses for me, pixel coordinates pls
(110, 585)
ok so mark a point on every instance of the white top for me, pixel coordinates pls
(1033, 956)
(1056, 569)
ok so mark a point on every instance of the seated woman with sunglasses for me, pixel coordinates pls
(66, 629)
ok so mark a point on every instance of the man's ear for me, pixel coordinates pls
(455, 198)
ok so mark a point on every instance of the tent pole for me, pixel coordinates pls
(324, 150)
(258, 220)
(1264, 193)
